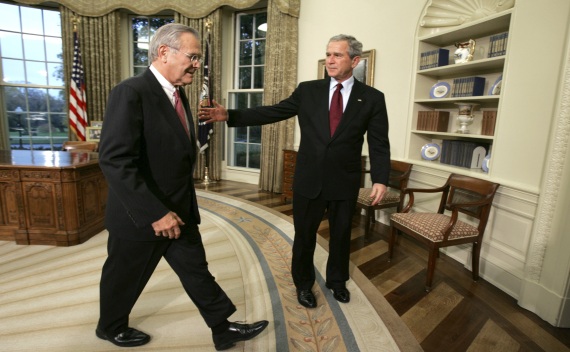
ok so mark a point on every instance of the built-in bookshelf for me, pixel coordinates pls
(441, 84)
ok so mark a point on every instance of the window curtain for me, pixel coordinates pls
(100, 54)
(214, 151)
(279, 83)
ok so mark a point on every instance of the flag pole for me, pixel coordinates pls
(77, 98)
(206, 130)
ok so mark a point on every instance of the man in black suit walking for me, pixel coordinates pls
(147, 154)
(328, 169)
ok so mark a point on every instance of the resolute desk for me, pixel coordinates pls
(51, 198)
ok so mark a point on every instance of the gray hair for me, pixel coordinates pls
(168, 35)
(354, 46)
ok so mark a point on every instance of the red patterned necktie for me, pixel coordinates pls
(335, 112)
(180, 110)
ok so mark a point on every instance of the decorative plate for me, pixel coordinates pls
(439, 90)
(431, 151)
(485, 164)
(496, 87)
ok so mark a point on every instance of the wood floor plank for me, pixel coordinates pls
(493, 338)
(395, 276)
(425, 316)
(367, 253)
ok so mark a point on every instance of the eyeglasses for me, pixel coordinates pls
(193, 58)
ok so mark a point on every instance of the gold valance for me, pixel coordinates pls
(192, 9)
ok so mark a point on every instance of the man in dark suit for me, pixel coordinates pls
(328, 169)
(147, 154)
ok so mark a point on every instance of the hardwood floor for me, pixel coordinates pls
(457, 315)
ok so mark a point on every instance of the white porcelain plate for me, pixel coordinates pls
(431, 151)
(496, 87)
(485, 164)
(439, 90)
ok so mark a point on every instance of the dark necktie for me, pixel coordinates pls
(180, 110)
(335, 112)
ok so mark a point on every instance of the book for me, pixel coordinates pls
(434, 58)
(433, 120)
(468, 87)
(488, 122)
(498, 44)
(463, 153)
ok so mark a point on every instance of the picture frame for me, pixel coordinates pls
(93, 134)
(96, 123)
(364, 71)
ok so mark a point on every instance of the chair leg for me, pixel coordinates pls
(392, 242)
(433, 254)
(367, 216)
(475, 260)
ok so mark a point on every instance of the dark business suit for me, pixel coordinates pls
(148, 161)
(328, 169)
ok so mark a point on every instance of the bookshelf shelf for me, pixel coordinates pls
(450, 135)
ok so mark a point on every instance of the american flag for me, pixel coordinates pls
(205, 130)
(77, 100)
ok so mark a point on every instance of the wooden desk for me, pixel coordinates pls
(51, 198)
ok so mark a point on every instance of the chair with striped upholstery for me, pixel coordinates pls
(460, 194)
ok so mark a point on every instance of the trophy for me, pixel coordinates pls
(464, 52)
(465, 117)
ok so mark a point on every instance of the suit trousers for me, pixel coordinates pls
(307, 216)
(130, 264)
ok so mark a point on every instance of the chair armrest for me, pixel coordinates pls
(410, 192)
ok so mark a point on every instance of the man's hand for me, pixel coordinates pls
(378, 191)
(214, 114)
(168, 226)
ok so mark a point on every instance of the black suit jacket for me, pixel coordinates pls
(331, 165)
(147, 159)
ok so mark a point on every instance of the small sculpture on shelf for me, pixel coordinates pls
(464, 52)
(465, 117)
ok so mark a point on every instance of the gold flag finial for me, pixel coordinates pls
(75, 21)
(208, 24)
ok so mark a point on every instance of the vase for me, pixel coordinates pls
(465, 117)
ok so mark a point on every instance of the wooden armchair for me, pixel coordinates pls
(460, 194)
(399, 176)
(80, 146)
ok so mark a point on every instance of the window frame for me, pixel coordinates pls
(231, 132)
(52, 139)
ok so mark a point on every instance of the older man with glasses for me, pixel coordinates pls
(147, 153)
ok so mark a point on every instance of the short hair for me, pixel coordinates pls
(354, 46)
(168, 35)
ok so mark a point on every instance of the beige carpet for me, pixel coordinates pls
(49, 295)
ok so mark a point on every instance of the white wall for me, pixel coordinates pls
(389, 27)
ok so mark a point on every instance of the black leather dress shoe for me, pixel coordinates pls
(306, 298)
(341, 294)
(128, 338)
(238, 332)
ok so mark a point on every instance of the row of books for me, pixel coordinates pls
(463, 153)
(498, 44)
(488, 122)
(468, 86)
(433, 120)
(434, 58)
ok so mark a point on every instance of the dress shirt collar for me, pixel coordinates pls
(168, 87)
(346, 85)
